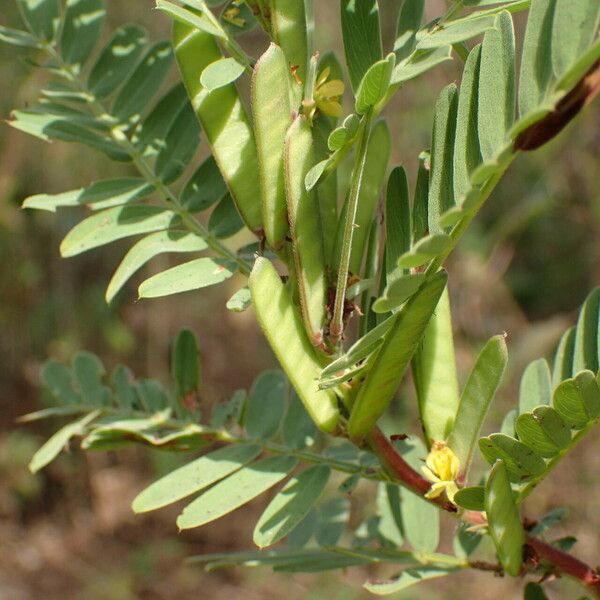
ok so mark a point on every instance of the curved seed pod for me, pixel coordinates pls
(305, 227)
(272, 117)
(378, 153)
(223, 119)
(392, 359)
(288, 19)
(283, 328)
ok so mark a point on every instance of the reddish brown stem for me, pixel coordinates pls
(404, 474)
(400, 470)
(567, 564)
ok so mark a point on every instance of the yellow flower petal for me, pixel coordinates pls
(323, 75)
(436, 490)
(331, 108)
(430, 474)
(331, 89)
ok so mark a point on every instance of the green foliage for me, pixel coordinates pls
(315, 266)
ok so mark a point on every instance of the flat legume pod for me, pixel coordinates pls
(224, 120)
(283, 328)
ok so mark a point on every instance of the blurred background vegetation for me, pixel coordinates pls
(524, 268)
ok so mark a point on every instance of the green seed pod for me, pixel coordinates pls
(393, 358)
(378, 154)
(288, 20)
(283, 328)
(305, 227)
(272, 118)
(224, 120)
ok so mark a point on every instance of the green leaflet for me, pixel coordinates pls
(585, 351)
(220, 73)
(223, 119)
(362, 37)
(204, 188)
(544, 431)
(283, 329)
(434, 372)
(57, 378)
(398, 291)
(297, 429)
(481, 386)
(179, 146)
(390, 524)
(117, 60)
(441, 196)
(240, 301)
(286, 560)
(574, 27)
(149, 134)
(457, 31)
(419, 62)
(225, 220)
(421, 200)
(53, 447)
(288, 19)
(185, 366)
(505, 525)
(375, 84)
(393, 358)
(16, 37)
(521, 461)
(378, 153)
(397, 218)
(46, 125)
(563, 359)
(406, 579)
(496, 97)
(409, 22)
(414, 509)
(272, 115)
(266, 404)
(290, 505)
(235, 491)
(577, 400)
(41, 16)
(81, 28)
(114, 224)
(425, 250)
(100, 194)
(535, 387)
(536, 60)
(88, 372)
(146, 249)
(467, 154)
(143, 84)
(305, 229)
(471, 498)
(192, 275)
(533, 591)
(194, 476)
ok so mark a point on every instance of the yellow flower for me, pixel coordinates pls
(327, 94)
(442, 468)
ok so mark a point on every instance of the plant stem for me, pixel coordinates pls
(566, 563)
(336, 327)
(401, 471)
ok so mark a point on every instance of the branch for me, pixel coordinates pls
(401, 471)
(565, 563)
